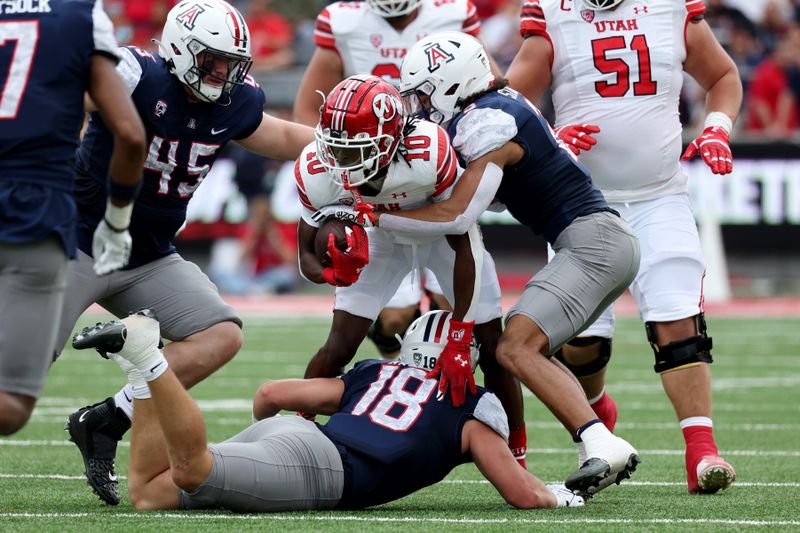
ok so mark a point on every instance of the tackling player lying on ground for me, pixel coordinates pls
(368, 154)
(638, 122)
(193, 98)
(51, 53)
(512, 157)
(371, 37)
(386, 437)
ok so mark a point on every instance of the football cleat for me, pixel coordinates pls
(107, 337)
(713, 474)
(609, 466)
(95, 430)
(565, 497)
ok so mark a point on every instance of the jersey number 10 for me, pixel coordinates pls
(645, 86)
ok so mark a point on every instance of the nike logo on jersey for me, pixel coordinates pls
(217, 132)
(112, 477)
(83, 415)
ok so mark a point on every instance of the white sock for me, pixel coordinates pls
(594, 436)
(124, 400)
(154, 368)
(696, 421)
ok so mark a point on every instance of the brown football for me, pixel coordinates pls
(339, 229)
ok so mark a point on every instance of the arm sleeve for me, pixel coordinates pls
(476, 247)
(308, 208)
(103, 33)
(490, 411)
(129, 69)
(446, 164)
(484, 194)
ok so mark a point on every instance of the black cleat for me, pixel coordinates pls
(595, 475)
(105, 337)
(95, 430)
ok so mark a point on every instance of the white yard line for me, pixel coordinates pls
(272, 517)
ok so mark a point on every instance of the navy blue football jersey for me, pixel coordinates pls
(548, 188)
(184, 139)
(395, 438)
(45, 56)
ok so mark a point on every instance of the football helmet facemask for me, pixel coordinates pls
(360, 127)
(601, 5)
(207, 46)
(393, 8)
(440, 72)
(425, 339)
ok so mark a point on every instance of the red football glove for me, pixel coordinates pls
(714, 149)
(454, 364)
(346, 266)
(366, 214)
(578, 137)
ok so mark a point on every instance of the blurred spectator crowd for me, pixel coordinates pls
(762, 36)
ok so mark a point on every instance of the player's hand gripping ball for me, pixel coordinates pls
(343, 249)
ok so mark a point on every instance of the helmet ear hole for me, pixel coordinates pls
(452, 90)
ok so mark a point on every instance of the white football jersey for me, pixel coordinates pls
(621, 69)
(422, 174)
(368, 44)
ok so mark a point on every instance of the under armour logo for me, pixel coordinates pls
(637, 10)
(399, 195)
(460, 360)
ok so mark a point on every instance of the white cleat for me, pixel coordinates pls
(613, 461)
(565, 497)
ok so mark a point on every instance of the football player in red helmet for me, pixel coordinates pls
(367, 156)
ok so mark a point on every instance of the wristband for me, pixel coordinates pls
(718, 119)
(118, 218)
(123, 193)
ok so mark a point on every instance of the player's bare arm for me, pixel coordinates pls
(466, 272)
(310, 266)
(314, 396)
(278, 138)
(493, 458)
(110, 96)
(714, 70)
(456, 208)
(529, 73)
(324, 71)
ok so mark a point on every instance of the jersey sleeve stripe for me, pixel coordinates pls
(103, 33)
(472, 24)
(301, 188)
(532, 20)
(323, 33)
(696, 9)
(446, 166)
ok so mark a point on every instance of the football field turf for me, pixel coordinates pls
(756, 401)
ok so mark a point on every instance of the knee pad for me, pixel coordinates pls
(676, 354)
(386, 344)
(592, 367)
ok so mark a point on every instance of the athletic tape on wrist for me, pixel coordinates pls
(118, 218)
(719, 119)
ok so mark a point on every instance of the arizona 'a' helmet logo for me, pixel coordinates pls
(189, 17)
(437, 56)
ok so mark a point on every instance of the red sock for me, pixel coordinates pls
(518, 442)
(606, 410)
(699, 443)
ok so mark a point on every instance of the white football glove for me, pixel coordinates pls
(111, 248)
(565, 497)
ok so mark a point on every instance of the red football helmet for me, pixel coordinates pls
(360, 127)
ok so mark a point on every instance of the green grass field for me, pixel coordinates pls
(757, 403)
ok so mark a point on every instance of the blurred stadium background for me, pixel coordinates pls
(242, 220)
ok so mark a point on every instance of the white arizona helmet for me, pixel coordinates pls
(393, 8)
(207, 46)
(601, 5)
(440, 72)
(425, 339)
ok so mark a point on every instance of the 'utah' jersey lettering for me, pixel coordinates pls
(46, 47)
(548, 188)
(621, 69)
(184, 139)
(368, 44)
(397, 438)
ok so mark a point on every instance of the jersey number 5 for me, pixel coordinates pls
(23, 36)
(645, 85)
